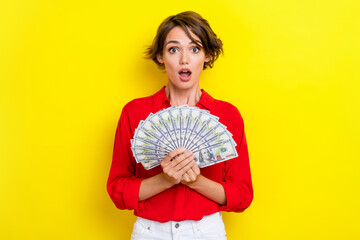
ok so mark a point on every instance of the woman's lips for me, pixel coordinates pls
(185, 74)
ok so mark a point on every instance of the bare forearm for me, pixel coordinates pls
(149, 187)
(209, 188)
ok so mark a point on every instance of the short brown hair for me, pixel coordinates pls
(188, 21)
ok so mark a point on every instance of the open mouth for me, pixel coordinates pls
(185, 74)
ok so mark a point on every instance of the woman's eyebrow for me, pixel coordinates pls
(197, 42)
(172, 41)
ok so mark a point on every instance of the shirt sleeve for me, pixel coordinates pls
(122, 185)
(237, 177)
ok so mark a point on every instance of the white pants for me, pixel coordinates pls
(209, 227)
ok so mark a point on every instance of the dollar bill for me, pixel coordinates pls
(218, 152)
(149, 164)
(190, 127)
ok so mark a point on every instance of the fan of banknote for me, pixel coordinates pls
(193, 128)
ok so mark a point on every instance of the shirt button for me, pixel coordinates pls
(177, 225)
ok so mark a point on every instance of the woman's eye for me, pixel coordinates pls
(195, 49)
(172, 50)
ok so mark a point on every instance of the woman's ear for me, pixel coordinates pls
(207, 58)
(159, 58)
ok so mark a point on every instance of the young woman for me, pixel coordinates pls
(178, 199)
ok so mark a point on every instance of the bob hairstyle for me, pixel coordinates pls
(192, 21)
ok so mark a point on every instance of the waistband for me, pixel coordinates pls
(179, 225)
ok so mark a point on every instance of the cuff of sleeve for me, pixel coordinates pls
(131, 195)
(231, 196)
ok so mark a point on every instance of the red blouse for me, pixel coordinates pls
(178, 202)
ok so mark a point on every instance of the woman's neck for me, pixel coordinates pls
(179, 97)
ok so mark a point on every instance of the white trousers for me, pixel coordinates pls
(209, 227)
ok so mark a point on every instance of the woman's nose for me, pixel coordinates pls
(184, 58)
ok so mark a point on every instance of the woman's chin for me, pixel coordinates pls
(184, 85)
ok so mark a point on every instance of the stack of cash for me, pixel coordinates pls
(192, 128)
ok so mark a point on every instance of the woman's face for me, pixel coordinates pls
(183, 59)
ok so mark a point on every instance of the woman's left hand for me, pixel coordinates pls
(191, 175)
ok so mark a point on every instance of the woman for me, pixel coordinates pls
(177, 199)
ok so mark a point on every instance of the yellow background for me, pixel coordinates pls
(68, 67)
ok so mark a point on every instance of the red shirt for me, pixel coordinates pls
(178, 202)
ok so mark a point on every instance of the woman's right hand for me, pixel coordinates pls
(176, 164)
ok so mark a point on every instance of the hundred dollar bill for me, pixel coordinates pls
(148, 151)
(157, 124)
(204, 129)
(148, 164)
(218, 134)
(175, 123)
(191, 127)
(184, 123)
(142, 158)
(212, 129)
(148, 143)
(144, 135)
(166, 120)
(194, 121)
(202, 123)
(218, 152)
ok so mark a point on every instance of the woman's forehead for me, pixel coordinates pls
(178, 35)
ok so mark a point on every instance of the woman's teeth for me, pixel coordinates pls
(185, 73)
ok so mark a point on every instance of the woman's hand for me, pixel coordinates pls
(176, 164)
(191, 175)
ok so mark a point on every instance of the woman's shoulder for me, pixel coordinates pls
(225, 104)
(230, 116)
(138, 108)
(227, 108)
(217, 105)
(147, 102)
(138, 102)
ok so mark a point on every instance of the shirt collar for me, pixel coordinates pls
(161, 100)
